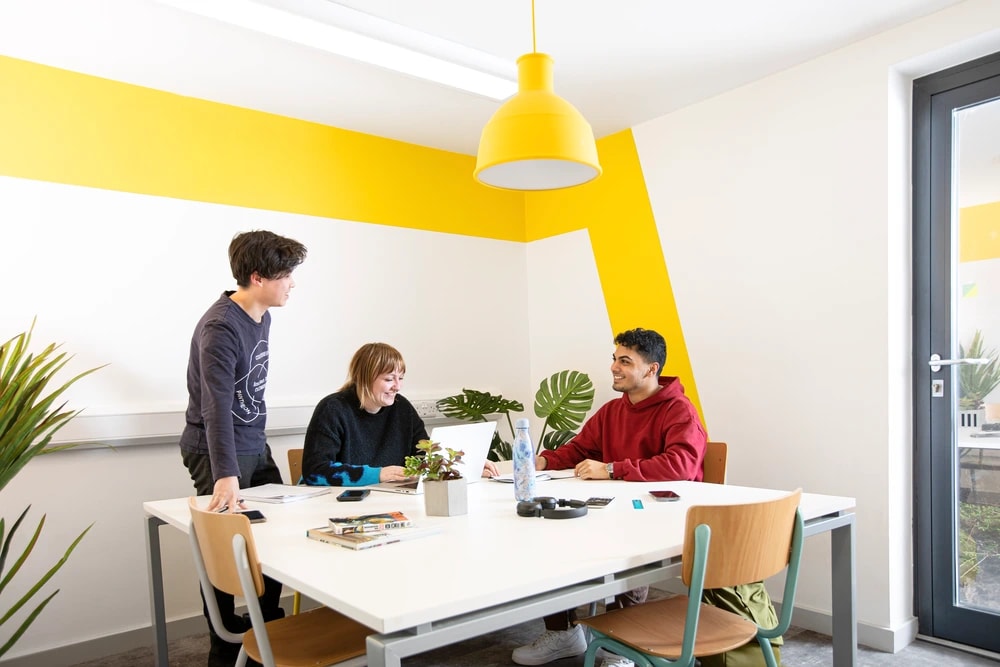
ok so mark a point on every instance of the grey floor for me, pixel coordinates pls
(802, 649)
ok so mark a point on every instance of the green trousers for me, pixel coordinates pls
(752, 602)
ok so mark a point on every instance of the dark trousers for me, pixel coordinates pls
(254, 470)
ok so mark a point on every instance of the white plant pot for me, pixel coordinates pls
(446, 498)
(972, 418)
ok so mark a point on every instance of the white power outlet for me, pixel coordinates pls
(426, 409)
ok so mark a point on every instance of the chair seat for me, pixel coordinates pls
(317, 637)
(657, 628)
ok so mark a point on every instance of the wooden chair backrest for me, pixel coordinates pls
(295, 465)
(714, 465)
(215, 532)
(749, 542)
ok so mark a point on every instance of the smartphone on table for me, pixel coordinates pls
(353, 495)
(597, 502)
(665, 496)
(255, 516)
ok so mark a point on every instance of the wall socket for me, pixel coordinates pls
(427, 409)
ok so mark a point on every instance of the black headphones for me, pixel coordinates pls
(550, 508)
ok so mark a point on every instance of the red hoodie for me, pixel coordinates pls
(658, 439)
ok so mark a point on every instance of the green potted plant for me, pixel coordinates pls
(445, 490)
(562, 400)
(975, 382)
(28, 421)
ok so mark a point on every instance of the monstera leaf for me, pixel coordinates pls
(473, 406)
(556, 439)
(562, 400)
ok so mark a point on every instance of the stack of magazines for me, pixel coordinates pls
(364, 531)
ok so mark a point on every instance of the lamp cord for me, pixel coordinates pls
(534, 44)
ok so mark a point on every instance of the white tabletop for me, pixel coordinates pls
(471, 563)
(977, 439)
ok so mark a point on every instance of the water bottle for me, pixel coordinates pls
(524, 462)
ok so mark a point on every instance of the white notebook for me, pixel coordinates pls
(508, 478)
(281, 493)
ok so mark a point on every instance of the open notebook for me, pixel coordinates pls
(474, 439)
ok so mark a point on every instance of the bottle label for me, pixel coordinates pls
(524, 468)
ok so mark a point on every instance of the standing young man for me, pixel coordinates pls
(223, 443)
(652, 433)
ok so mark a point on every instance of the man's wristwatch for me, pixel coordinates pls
(610, 467)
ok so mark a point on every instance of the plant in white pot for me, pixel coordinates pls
(28, 420)
(446, 492)
(975, 381)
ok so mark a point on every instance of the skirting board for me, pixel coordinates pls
(93, 649)
(887, 640)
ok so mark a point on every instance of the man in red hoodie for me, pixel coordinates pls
(651, 434)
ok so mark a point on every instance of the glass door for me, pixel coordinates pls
(957, 342)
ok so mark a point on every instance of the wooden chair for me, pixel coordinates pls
(226, 557)
(294, 465)
(714, 465)
(749, 543)
(294, 475)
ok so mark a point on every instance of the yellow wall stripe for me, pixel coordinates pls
(980, 232)
(66, 127)
(72, 128)
(615, 209)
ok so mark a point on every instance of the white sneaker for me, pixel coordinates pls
(609, 659)
(552, 645)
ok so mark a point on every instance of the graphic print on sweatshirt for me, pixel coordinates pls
(248, 398)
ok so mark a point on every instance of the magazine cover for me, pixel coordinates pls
(366, 523)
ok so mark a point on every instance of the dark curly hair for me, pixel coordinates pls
(269, 255)
(649, 344)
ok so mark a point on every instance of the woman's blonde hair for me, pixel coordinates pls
(370, 361)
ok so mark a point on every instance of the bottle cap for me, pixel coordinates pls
(521, 423)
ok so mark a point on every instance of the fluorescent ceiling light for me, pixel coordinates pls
(352, 34)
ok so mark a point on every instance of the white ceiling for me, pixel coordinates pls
(619, 62)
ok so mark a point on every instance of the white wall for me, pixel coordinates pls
(783, 212)
(569, 320)
(122, 278)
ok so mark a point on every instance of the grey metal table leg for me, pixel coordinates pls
(843, 579)
(380, 655)
(153, 558)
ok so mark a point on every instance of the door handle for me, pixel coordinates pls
(936, 362)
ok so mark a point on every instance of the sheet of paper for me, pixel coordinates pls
(508, 478)
(282, 493)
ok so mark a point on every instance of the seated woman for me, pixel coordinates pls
(362, 433)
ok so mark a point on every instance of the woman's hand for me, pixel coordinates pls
(490, 469)
(391, 474)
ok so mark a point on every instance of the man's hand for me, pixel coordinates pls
(591, 469)
(391, 474)
(541, 462)
(226, 494)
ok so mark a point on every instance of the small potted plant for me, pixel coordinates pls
(445, 490)
(976, 381)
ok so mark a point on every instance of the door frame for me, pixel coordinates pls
(930, 199)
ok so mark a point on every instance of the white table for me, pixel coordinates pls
(460, 583)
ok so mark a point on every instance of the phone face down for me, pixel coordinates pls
(665, 496)
(255, 516)
(353, 495)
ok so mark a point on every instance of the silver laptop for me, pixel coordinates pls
(473, 438)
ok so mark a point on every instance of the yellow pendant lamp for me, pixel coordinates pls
(536, 140)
